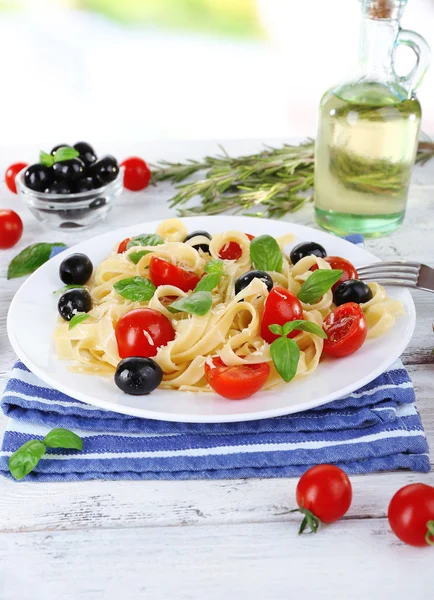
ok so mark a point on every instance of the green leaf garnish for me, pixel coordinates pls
(276, 329)
(307, 326)
(318, 284)
(265, 254)
(146, 239)
(30, 259)
(63, 438)
(137, 289)
(285, 354)
(65, 288)
(136, 256)
(77, 319)
(208, 283)
(46, 159)
(65, 153)
(25, 459)
(198, 303)
(214, 266)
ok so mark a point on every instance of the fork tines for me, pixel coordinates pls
(400, 273)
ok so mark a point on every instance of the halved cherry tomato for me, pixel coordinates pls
(123, 245)
(411, 514)
(142, 331)
(11, 173)
(162, 272)
(336, 262)
(236, 382)
(323, 493)
(346, 330)
(280, 307)
(232, 250)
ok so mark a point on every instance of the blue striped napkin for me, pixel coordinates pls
(375, 429)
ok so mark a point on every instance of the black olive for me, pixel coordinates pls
(74, 301)
(87, 153)
(306, 249)
(59, 187)
(201, 246)
(56, 148)
(243, 281)
(38, 177)
(138, 376)
(98, 203)
(104, 170)
(69, 170)
(352, 290)
(86, 184)
(77, 269)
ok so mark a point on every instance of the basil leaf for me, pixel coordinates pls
(30, 259)
(65, 153)
(214, 266)
(136, 256)
(26, 458)
(137, 289)
(63, 438)
(276, 329)
(77, 319)
(318, 284)
(199, 303)
(208, 283)
(304, 326)
(265, 254)
(146, 239)
(71, 286)
(285, 354)
(46, 159)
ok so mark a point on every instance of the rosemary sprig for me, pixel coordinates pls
(270, 183)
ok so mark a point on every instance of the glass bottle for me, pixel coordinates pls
(368, 130)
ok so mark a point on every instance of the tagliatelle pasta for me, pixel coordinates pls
(230, 329)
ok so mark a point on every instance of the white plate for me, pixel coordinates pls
(32, 317)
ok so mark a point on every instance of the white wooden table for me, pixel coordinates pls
(210, 540)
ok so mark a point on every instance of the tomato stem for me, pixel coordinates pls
(310, 520)
(429, 537)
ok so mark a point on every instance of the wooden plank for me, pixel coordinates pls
(357, 560)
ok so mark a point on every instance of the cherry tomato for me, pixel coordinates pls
(162, 272)
(142, 331)
(137, 174)
(280, 307)
(323, 494)
(236, 382)
(11, 228)
(411, 514)
(346, 330)
(11, 173)
(336, 262)
(123, 245)
(232, 250)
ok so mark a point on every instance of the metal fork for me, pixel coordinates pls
(399, 272)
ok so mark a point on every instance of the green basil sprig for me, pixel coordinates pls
(215, 266)
(77, 319)
(265, 254)
(145, 239)
(25, 459)
(214, 272)
(61, 154)
(198, 303)
(30, 259)
(318, 284)
(138, 289)
(285, 351)
(136, 256)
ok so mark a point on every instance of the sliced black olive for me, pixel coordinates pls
(105, 170)
(87, 153)
(74, 301)
(201, 245)
(69, 170)
(352, 290)
(76, 269)
(59, 187)
(243, 281)
(38, 177)
(306, 249)
(138, 376)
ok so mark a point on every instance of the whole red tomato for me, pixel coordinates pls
(411, 514)
(141, 332)
(323, 494)
(11, 173)
(11, 228)
(236, 382)
(280, 307)
(137, 174)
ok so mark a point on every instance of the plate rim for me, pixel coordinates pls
(227, 418)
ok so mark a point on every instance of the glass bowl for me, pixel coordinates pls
(70, 211)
